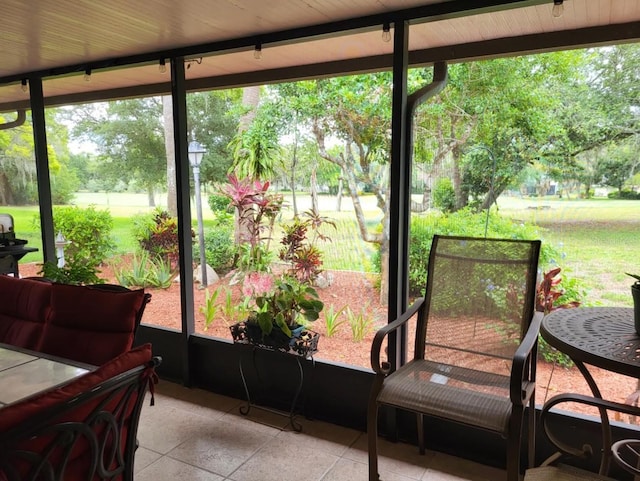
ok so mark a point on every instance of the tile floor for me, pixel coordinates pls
(195, 435)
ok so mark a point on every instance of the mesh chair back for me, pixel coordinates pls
(479, 301)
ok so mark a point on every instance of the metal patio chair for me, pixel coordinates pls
(475, 346)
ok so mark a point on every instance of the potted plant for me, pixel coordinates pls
(278, 304)
(281, 307)
(635, 293)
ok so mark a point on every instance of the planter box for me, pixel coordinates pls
(304, 343)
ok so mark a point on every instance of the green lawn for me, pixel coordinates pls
(599, 239)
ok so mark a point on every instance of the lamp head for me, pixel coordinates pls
(196, 152)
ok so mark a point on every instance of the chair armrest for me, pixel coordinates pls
(521, 388)
(376, 346)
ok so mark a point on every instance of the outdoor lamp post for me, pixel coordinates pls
(196, 152)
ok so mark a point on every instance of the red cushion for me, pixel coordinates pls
(90, 325)
(14, 414)
(24, 306)
(78, 464)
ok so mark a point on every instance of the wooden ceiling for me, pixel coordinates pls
(122, 42)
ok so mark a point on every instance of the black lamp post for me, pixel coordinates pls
(196, 152)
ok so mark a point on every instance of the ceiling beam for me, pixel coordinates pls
(504, 47)
(427, 13)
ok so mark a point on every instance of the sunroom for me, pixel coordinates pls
(68, 55)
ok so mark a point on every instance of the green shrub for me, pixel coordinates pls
(219, 203)
(157, 233)
(219, 246)
(89, 232)
(463, 223)
(75, 271)
(444, 197)
(624, 194)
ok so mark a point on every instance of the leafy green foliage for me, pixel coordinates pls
(89, 232)
(551, 296)
(257, 211)
(219, 203)
(219, 247)
(332, 319)
(284, 304)
(304, 258)
(75, 271)
(444, 197)
(145, 271)
(233, 311)
(361, 322)
(624, 194)
(157, 234)
(210, 308)
(462, 223)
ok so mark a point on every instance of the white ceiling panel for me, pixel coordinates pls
(41, 35)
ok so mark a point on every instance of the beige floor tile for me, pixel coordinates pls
(444, 467)
(281, 460)
(266, 421)
(222, 448)
(167, 469)
(398, 458)
(162, 428)
(320, 436)
(196, 401)
(191, 434)
(347, 470)
(144, 457)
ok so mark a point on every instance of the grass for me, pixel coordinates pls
(598, 238)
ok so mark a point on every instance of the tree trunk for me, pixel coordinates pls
(151, 197)
(339, 196)
(314, 189)
(294, 162)
(250, 100)
(6, 198)
(169, 146)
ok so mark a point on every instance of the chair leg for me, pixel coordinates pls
(531, 438)
(372, 440)
(420, 419)
(514, 444)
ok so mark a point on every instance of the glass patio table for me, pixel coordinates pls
(25, 373)
(603, 337)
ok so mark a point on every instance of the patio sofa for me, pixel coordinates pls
(90, 324)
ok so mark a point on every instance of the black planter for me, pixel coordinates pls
(303, 343)
(635, 292)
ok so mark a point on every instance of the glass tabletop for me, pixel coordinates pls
(25, 374)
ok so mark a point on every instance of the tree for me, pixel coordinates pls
(18, 168)
(618, 165)
(213, 121)
(492, 120)
(129, 136)
(354, 112)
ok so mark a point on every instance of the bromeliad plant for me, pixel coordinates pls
(548, 293)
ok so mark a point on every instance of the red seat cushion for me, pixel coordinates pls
(24, 306)
(78, 465)
(90, 325)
